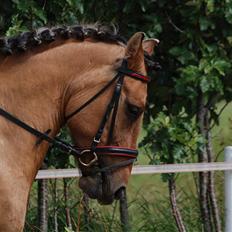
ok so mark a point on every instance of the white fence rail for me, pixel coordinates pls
(169, 168)
(143, 169)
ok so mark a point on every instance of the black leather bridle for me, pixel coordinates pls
(94, 149)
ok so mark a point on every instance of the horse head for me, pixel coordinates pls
(107, 138)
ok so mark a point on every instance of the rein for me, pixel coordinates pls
(95, 150)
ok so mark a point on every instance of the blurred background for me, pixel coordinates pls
(188, 117)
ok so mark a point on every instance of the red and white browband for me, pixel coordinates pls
(134, 74)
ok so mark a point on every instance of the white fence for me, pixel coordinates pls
(143, 169)
(169, 168)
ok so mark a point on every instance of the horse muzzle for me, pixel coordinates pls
(102, 187)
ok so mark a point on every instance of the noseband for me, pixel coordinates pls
(94, 149)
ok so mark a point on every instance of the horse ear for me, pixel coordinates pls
(134, 45)
(149, 45)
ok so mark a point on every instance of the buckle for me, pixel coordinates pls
(95, 158)
(96, 140)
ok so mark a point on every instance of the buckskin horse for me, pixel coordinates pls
(87, 78)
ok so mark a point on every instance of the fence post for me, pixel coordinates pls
(42, 201)
(124, 216)
(228, 191)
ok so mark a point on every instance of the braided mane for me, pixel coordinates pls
(45, 35)
(98, 32)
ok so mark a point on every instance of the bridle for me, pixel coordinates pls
(94, 149)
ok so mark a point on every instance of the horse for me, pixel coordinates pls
(87, 78)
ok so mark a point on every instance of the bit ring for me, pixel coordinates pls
(92, 161)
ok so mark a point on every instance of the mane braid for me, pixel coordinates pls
(30, 39)
(45, 35)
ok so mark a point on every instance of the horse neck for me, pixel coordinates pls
(32, 91)
(34, 86)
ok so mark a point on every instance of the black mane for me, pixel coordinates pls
(30, 39)
(45, 35)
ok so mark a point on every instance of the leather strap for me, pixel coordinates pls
(100, 92)
(101, 150)
(117, 151)
(134, 74)
(112, 167)
(43, 136)
(112, 105)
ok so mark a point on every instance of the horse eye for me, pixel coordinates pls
(134, 111)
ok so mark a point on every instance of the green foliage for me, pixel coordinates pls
(17, 26)
(29, 16)
(171, 139)
(68, 230)
(57, 159)
(195, 54)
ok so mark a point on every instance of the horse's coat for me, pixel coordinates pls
(47, 83)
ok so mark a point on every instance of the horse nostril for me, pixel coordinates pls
(120, 193)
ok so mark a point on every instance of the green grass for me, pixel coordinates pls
(222, 133)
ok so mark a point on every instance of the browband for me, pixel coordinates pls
(134, 74)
